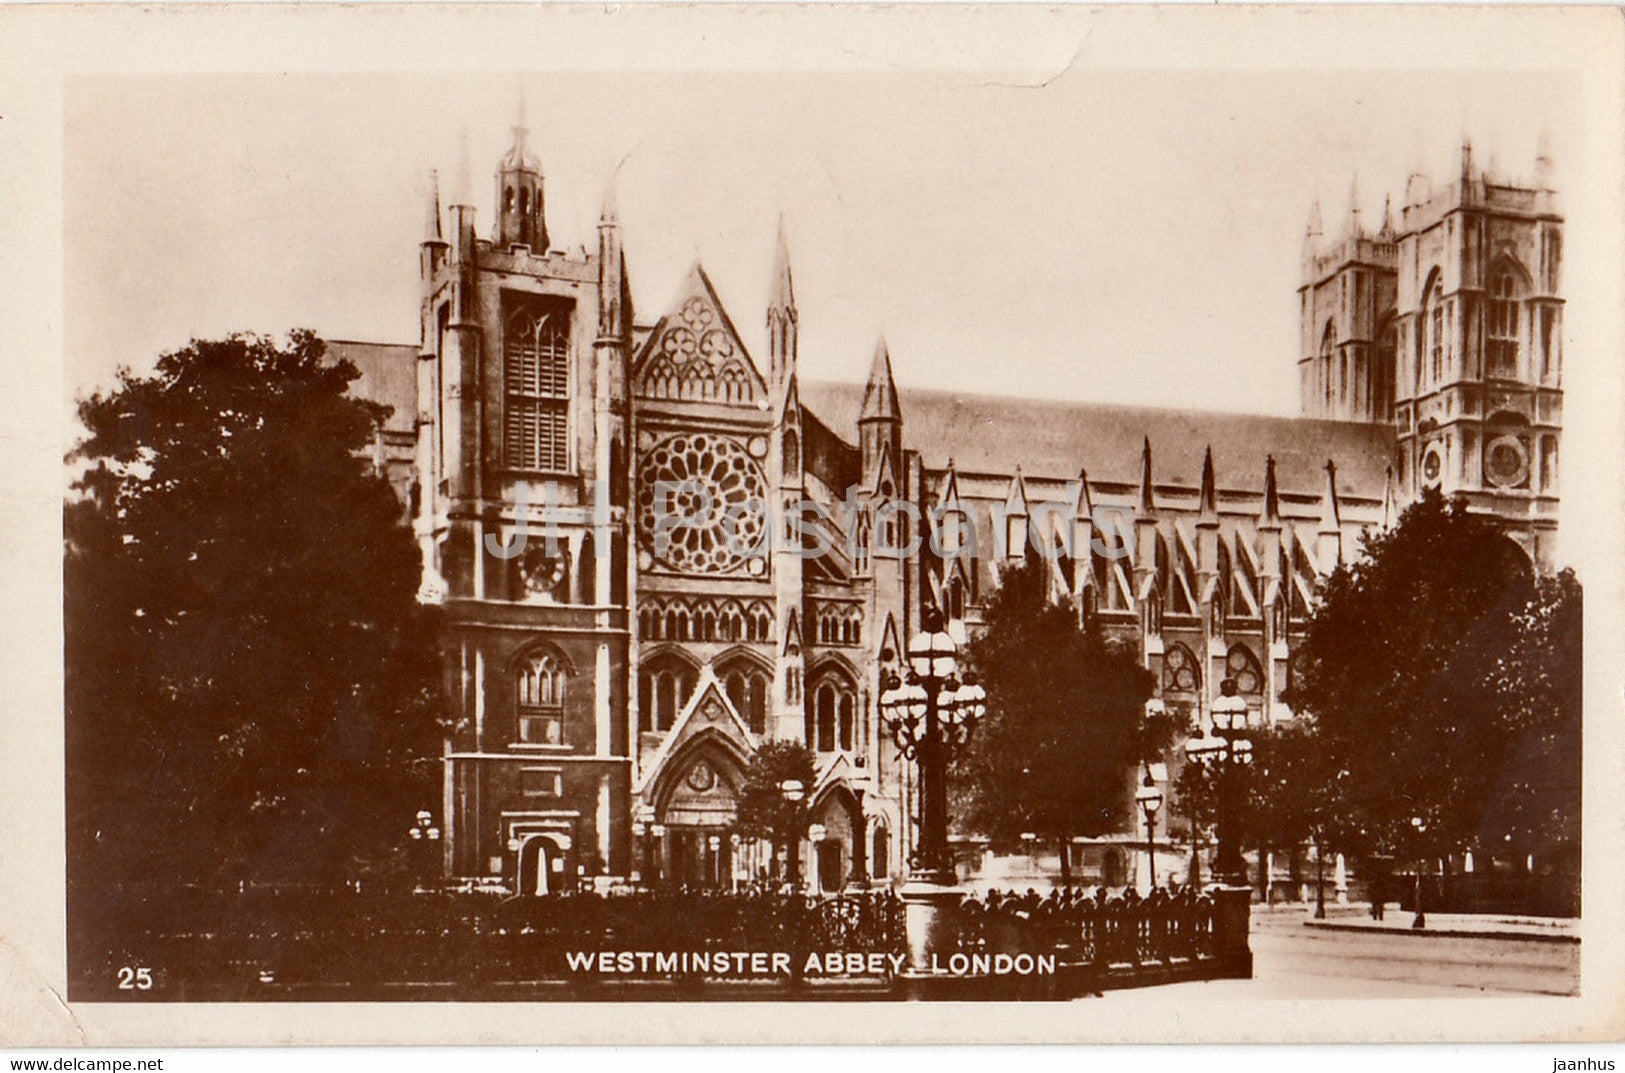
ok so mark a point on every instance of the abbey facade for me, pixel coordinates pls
(627, 623)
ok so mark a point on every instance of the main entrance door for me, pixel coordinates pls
(701, 858)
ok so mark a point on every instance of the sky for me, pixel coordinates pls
(1113, 235)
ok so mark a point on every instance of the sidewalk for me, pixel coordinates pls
(1357, 917)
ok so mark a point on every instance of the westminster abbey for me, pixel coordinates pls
(611, 672)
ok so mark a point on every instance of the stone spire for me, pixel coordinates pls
(610, 213)
(1209, 498)
(880, 427)
(784, 294)
(1148, 498)
(431, 207)
(1313, 232)
(462, 187)
(880, 395)
(614, 292)
(1270, 516)
(782, 322)
(1356, 230)
(1543, 161)
(1331, 511)
(1330, 543)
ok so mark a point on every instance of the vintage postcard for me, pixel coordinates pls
(744, 524)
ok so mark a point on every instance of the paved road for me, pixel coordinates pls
(1292, 961)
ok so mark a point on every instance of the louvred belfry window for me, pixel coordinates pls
(536, 385)
(1502, 346)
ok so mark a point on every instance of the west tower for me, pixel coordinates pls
(1448, 324)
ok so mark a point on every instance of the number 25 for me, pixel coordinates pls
(136, 979)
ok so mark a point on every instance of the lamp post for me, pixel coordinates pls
(423, 833)
(657, 850)
(1149, 798)
(640, 832)
(1227, 749)
(794, 793)
(1420, 920)
(930, 712)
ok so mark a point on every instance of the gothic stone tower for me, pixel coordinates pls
(522, 415)
(1450, 327)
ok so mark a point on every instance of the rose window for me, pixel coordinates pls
(702, 504)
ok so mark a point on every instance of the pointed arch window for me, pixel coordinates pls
(540, 686)
(536, 385)
(1241, 665)
(1501, 346)
(665, 684)
(834, 714)
(1180, 671)
(747, 686)
(1433, 333)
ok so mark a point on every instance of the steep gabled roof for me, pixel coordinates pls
(389, 375)
(990, 434)
(695, 353)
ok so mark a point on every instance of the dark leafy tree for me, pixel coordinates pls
(1294, 789)
(1397, 671)
(1537, 685)
(1065, 733)
(252, 689)
(763, 809)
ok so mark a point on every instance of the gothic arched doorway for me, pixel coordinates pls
(695, 798)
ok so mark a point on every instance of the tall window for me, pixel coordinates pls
(1501, 357)
(536, 380)
(1328, 358)
(834, 714)
(747, 685)
(540, 685)
(664, 685)
(1433, 334)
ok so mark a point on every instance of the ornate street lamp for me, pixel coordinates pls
(1149, 798)
(1225, 750)
(794, 792)
(424, 833)
(640, 833)
(657, 864)
(1420, 920)
(930, 712)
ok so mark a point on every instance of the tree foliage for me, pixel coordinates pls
(1444, 682)
(1294, 787)
(1065, 729)
(252, 689)
(762, 810)
(1537, 685)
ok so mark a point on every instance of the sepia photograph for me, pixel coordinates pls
(1070, 533)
